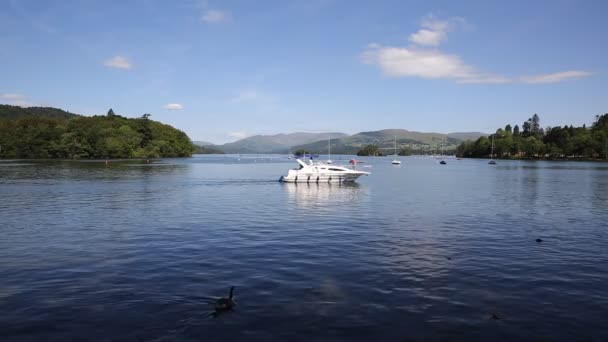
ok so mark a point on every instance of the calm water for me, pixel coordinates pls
(416, 252)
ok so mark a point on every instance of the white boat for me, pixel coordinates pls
(395, 160)
(319, 172)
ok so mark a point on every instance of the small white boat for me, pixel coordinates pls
(395, 160)
(319, 172)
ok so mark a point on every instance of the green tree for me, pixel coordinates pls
(370, 150)
(145, 130)
(516, 131)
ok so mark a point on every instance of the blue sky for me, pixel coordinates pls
(222, 70)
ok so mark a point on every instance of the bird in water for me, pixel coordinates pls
(221, 305)
(539, 240)
(226, 303)
(494, 317)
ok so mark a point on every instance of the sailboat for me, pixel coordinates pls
(443, 162)
(492, 161)
(395, 160)
(329, 151)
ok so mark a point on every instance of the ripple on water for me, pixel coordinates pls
(131, 251)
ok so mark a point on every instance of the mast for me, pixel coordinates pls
(395, 145)
(329, 148)
(492, 152)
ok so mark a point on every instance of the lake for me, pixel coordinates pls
(133, 251)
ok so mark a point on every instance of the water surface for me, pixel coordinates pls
(421, 251)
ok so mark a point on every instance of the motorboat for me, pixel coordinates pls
(320, 172)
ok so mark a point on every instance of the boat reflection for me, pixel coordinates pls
(325, 195)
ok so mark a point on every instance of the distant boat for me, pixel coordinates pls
(396, 161)
(492, 162)
(443, 162)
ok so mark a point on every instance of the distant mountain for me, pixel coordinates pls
(343, 143)
(203, 143)
(16, 112)
(385, 139)
(467, 135)
(198, 149)
(278, 143)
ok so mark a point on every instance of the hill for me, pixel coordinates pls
(198, 149)
(467, 135)
(278, 143)
(16, 112)
(385, 139)
(34, 132)
(203, 143)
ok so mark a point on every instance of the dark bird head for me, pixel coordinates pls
(494, 316)
(539, 240)
(231, 292)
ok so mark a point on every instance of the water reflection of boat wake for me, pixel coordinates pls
(313, 195)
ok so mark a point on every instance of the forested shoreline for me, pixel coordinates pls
(50, 133)
(534, 142)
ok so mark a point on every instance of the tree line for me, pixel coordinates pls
(32, 135)
(531, 141)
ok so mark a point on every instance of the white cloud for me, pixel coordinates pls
(428, 37)
(118, 62)
(173, 106)
(15, 100)
(431, 63)
(434, 31)
(424, 63)
(216, 16)
(237, 135)
(556, 77)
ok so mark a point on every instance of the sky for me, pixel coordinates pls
(224, 70)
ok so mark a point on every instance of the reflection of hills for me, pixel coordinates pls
(315, 196)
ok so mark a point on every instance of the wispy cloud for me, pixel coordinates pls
(216, 16)
(15, 100)
(556, 77)
(247, 95)
(258, 99)
(424, 60)
(118, 62)
(173, 106)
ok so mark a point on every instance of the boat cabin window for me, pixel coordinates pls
(332, 169)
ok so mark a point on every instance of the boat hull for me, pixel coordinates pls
(320, 178)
